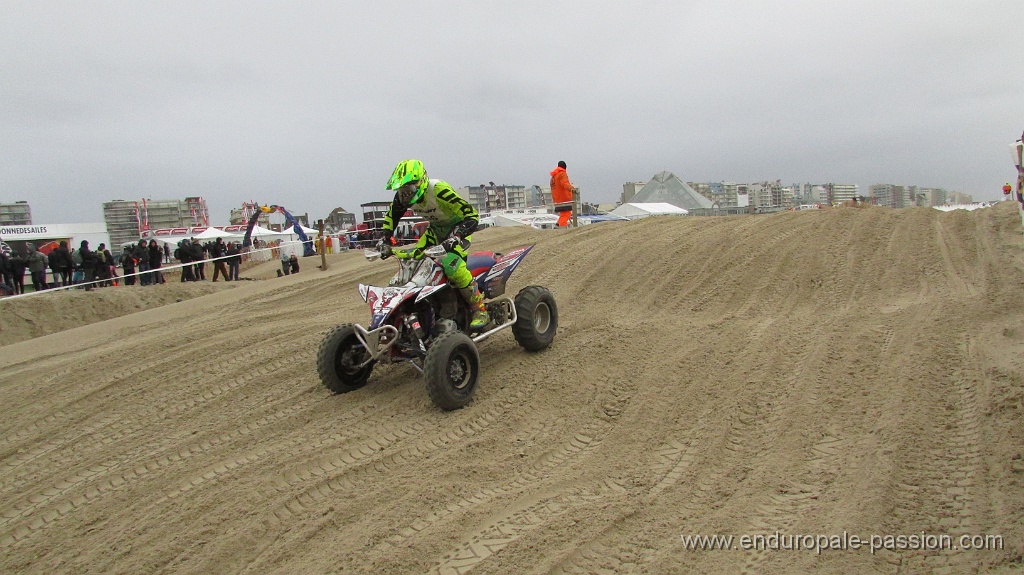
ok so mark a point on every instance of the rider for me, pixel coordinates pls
(452, 220)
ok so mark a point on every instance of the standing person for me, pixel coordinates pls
(198, 255)
(184, 255)
(141, 255)
(167, 254)
(330, 245)
(53, 260)
(286, 261)
(19, 263)
(128, 265)
(234, 260)
(102, 266)
(6, 283)
(6, 273)
(156, 256)
(77, 273)
(67, 266)
(452, 220)
(561, 194)
(37, 267)
(88, 264)
(109, 265)
(220, 268)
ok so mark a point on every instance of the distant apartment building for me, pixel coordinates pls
(807, 193)
(629, 189)
(765, 195)
(908, 196)
(928, 197)
(959, 198)
(339, 219)
(710, 190)
(730, 196)
(17, 214)
(721, 194)
(491, 197)
(126, 220)
(839, 193)
(890, 195)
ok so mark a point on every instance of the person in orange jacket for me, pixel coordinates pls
(561, 194)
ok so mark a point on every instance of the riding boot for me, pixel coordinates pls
(475, 299)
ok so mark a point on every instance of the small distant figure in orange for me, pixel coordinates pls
(561, 194)
(330, 245)
(1007, 189)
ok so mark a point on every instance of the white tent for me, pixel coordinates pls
(213, 233)
(310, 232)
(643, 210)
(260, 231)
(169, 240)
(270, 235)
(534, 220)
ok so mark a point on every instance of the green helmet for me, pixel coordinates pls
(406, 172)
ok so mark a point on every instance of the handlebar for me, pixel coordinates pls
(432, 252)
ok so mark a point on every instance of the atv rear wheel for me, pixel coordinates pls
(537, 318)
(451, 370)
(338, 360)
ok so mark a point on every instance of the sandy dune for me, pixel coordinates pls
(808, 373)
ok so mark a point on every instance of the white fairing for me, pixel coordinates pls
(421, 277)
(418, 273)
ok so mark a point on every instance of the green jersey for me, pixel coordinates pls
(440, 206)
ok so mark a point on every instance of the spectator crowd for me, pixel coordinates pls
(93, 268)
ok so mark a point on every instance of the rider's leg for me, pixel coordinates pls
(459, 277)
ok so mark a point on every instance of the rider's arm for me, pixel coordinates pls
(394, 215)
(415, 252)
(410, 254)
(465, 227)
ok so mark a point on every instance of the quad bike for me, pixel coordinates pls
(419, 319)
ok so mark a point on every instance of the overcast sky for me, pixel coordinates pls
(310, 105)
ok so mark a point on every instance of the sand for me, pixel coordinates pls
(814, 373)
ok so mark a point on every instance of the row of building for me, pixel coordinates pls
(773, 195)
(128, 220)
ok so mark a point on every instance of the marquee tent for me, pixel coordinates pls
(543, 220)
(642, 210)
(310, 232)
(213, 233)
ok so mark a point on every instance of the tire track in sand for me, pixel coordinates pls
(949, 479)
(585, 440)
(109, 430)
(511, 526)
(41, 509)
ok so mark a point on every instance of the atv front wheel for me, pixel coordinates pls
(451, 369)
(537, 318)
(338, 360)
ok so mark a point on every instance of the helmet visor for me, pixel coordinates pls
(408, 193)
